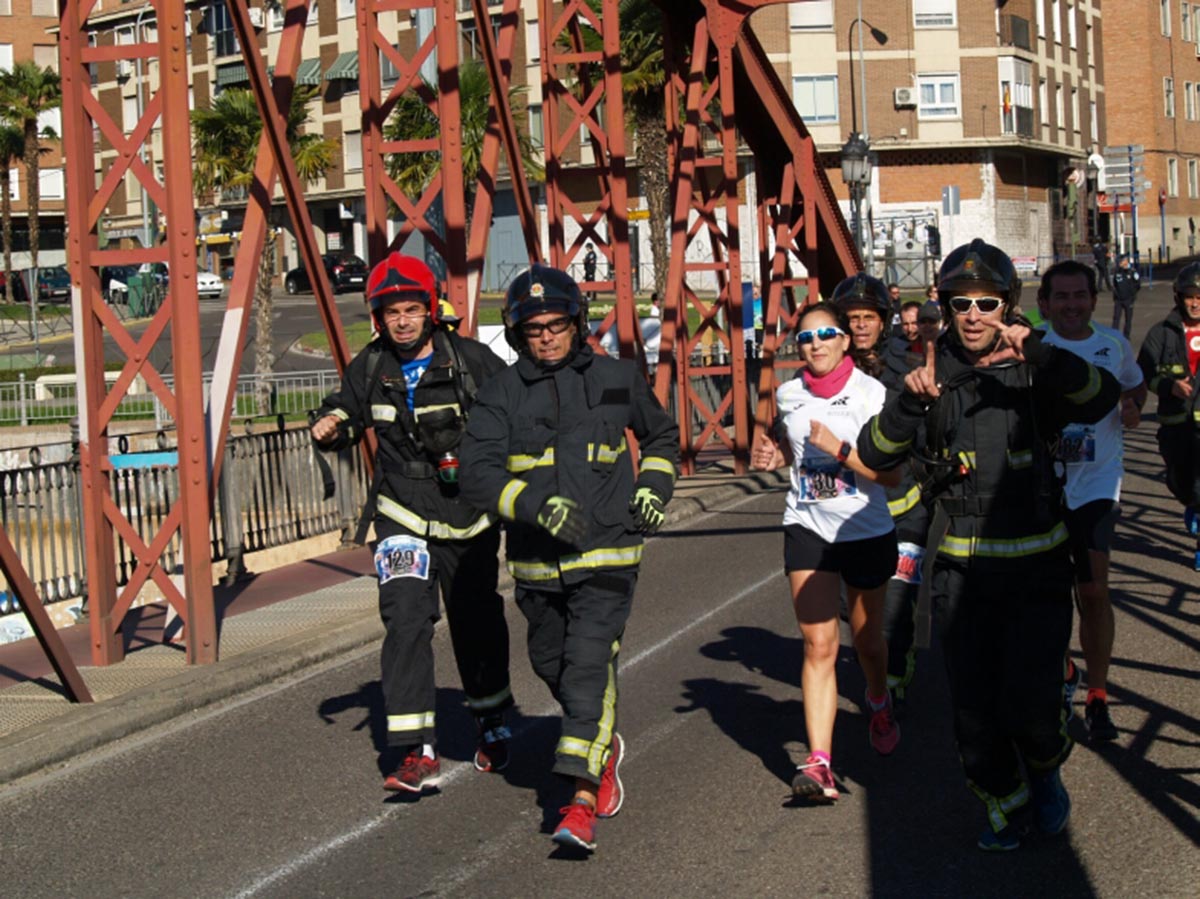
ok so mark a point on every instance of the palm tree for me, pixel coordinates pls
(412, 119)
(12, 148)
(226, 139)
(26, 92)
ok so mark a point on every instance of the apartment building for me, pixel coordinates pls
(24, 35)
(980, 117)
(1155, 104)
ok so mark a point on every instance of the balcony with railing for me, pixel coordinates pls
(1014, 32)
(1018, 120)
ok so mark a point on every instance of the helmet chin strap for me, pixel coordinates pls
(426, 331)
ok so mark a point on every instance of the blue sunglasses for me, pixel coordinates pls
(827, 333)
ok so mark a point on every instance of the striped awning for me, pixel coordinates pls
(309, 72)
(344, 67)
(232, 74)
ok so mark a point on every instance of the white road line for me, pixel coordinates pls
(454, 772)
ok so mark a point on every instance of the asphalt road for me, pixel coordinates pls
(278, 792)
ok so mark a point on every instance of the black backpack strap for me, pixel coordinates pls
(465, 387)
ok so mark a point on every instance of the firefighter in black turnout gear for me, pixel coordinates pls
(993, 398)
(414, 384)
(546, 450)
(867, 303)
(1170, 363)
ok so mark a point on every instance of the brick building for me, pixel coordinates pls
(1002, 100)
(24, 36)
(1155, 103)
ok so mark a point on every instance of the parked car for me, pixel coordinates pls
(345, 270)
(209, 285)
(54, 283)
(114, 279)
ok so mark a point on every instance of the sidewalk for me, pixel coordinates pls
(272, 625)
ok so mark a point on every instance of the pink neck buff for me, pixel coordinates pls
(830, 383)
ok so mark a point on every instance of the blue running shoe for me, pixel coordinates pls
(1051, 804)
(1191, 521)
(1004, 840)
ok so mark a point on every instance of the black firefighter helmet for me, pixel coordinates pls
(978, 265)
(539, 289)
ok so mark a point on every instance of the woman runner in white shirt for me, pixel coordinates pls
(837, 529)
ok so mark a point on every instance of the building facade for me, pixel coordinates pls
(1155, 105)
(25, 34)
(980, 118)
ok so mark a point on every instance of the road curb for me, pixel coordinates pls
(83, 728)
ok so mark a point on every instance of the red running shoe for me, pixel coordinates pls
(416, 773)
(577, 829)
(611, 794)
(492, 752)
(813, 780)
(884, 731)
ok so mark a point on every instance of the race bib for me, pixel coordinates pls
(401, 556)
(1078, 444)
(822, 483)
(908, 563)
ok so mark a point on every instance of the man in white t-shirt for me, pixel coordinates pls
(1093, 455)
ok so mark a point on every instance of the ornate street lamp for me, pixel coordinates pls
(856, 173)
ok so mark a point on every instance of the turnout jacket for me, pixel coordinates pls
(373, 394)
(1163, 359)
(990, 439)
(537, 433)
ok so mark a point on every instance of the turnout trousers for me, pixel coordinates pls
(900, 601)
(574, 642)
(466, 573)
(1004, 638)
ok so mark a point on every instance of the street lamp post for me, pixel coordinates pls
(856, 160)
(137, 39)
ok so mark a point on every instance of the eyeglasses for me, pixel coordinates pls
(554, 326)
(827, 333)
(985, 305)
(391, 315)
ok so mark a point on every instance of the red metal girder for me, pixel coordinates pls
(564, 59)
(274, 161)
(501, 128)
(43, 628)
(194, 496)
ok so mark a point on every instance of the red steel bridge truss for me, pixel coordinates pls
(721, 98)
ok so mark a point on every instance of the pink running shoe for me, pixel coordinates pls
(814, 780)
(884, 731)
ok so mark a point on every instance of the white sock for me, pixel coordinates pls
(427, 751)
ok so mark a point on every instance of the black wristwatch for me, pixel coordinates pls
(844, 451)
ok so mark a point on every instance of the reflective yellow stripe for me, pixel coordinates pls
(485, 703)
(658, 463)
(423, 410)
(1020, 458)
(524, 463)
(339, 413)
(608, 717)
(968, 547)
(884, 445)
(573, 746)
(1177, 418)
(508, 498)
(1170, 369)
(384, 413)
(899, 506)
(408, 723)
(605, 453)
(594, 558)
(998, 807)
(1088, 390)
(438, 530)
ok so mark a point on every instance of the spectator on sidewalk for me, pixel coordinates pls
(1093, 455)
(1125, 285)
(414, 384)
(546, 451)
(1100, 257)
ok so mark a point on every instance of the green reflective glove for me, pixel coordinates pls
(649, 511)
(563, 519)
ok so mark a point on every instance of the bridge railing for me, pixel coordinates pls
(270, 494)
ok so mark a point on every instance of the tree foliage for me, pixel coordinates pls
(26, 93)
